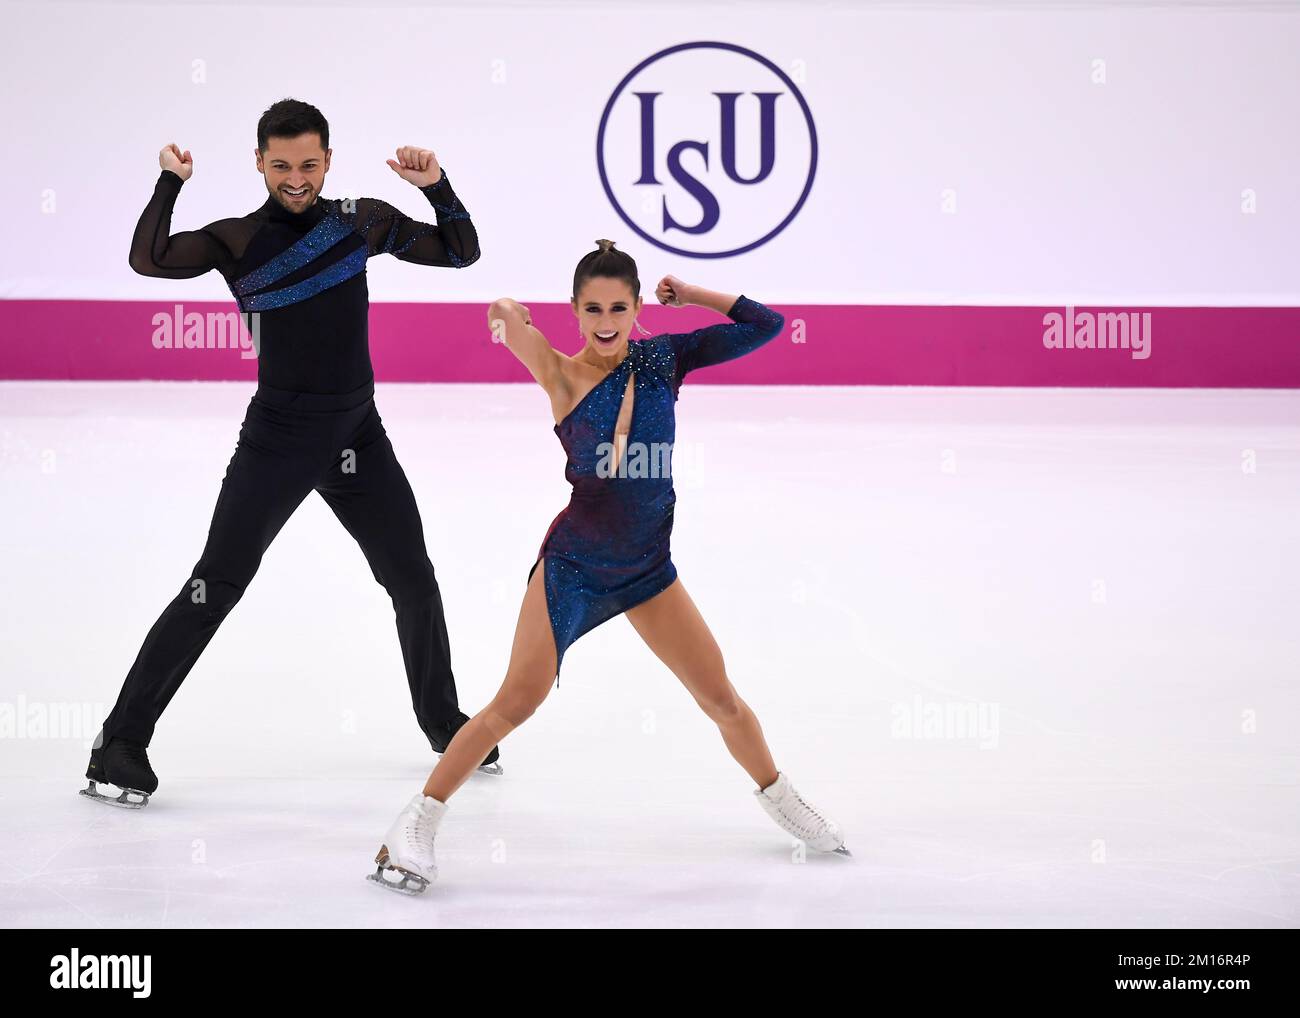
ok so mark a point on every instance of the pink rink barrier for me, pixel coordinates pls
(822, 344)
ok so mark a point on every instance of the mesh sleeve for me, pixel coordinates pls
(451, 242)
(155, 251)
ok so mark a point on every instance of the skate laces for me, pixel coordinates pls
(803, 815)
(424, 825)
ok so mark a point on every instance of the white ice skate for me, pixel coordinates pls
(408, 847)
(787, 807)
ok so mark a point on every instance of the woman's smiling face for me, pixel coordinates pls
(606, 309)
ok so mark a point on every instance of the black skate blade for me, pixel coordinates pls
(841, 851)
(124, 800)
(409, 884)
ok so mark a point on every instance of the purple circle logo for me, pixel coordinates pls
(707, 149)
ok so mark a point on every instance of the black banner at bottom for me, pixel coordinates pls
(144, 968)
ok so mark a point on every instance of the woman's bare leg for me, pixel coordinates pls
(673, 628)
(528, 680)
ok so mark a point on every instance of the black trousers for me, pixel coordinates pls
(291, 444)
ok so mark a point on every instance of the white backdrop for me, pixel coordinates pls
(968, 152)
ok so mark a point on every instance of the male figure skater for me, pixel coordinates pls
(299, 264)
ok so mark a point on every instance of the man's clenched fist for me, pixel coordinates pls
(415, 165)
(180, 163)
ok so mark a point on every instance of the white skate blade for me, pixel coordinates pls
(91, 791)
(842, 850)
(408, 882)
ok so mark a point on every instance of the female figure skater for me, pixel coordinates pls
(607, 551)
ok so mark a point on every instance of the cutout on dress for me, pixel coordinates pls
(623, 425)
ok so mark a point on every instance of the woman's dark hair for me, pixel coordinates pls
(605, 261)
(289, 118)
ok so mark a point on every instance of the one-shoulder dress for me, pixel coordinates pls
(607, 550)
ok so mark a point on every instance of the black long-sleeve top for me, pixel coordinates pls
(303, 273)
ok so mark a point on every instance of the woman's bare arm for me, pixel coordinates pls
(512, 324)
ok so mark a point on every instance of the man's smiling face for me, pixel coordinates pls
(294, 169)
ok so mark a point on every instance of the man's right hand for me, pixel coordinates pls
(180, 163)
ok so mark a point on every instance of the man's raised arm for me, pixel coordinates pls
(452, 242)
(156, 252)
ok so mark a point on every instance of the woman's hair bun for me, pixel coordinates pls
(608, 262)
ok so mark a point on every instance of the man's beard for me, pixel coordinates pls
(288, 205)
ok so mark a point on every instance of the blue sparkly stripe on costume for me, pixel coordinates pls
(340, 272)
(319, 239)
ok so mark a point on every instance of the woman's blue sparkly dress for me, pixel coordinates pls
(607, 551)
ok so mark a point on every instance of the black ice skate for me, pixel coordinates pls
(125, 765)
(441, 735)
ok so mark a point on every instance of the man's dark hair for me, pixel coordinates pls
(289, 118)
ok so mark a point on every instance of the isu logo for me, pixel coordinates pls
(707, 149)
